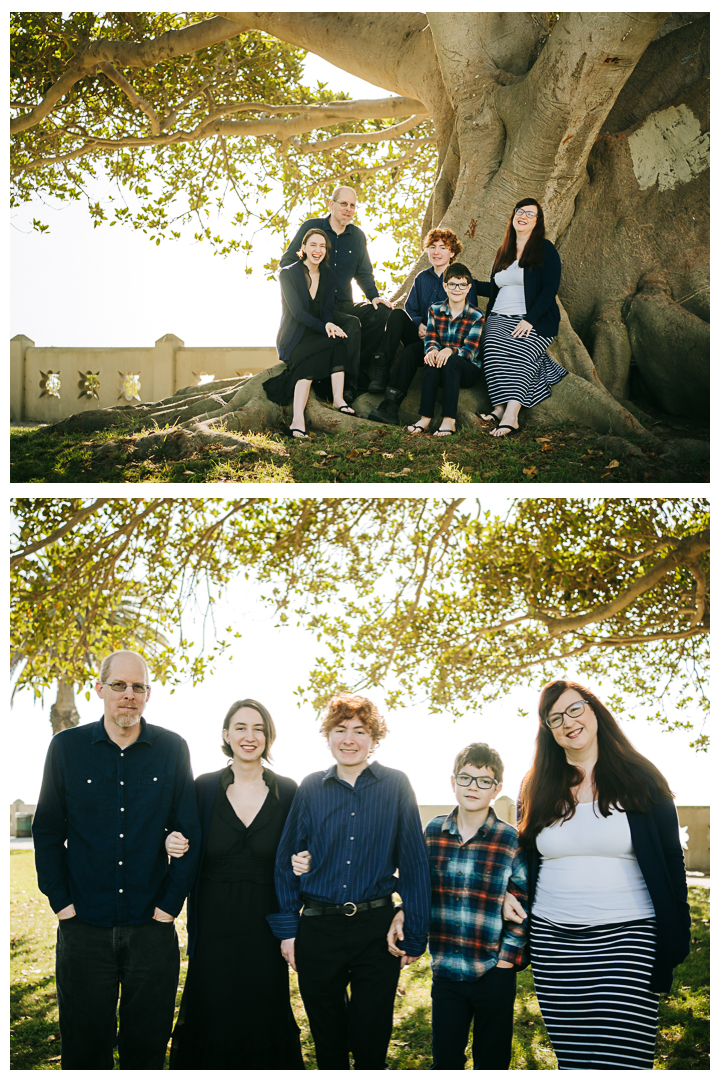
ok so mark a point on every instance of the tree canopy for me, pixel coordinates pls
(429, 599)
(188, 114)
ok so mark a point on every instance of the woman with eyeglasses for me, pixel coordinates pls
(607, 890)
(235, 1011)
(309, 343)
(522, 319)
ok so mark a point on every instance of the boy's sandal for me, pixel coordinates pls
(291, 431)
(416, 429)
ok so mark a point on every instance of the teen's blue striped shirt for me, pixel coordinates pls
(469, 881)
(357, 837)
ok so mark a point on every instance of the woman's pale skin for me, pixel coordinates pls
(314, 251)
(578, 738)
(245, 735)
(508, 413)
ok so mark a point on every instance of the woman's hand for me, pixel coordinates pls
(522, 329)
(380, 300)
(334, 331)
(301, 863)
(422, 330)
(513, 911)
(176, 844)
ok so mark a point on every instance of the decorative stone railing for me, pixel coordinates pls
(48, 384)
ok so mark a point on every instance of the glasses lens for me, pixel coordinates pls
(485, 782)
(576, 709)
(464, 780)
(554, 720)
(121, 687)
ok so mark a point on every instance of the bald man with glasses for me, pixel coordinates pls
(111, 791)
(348, 257)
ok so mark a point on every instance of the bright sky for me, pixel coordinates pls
(110, 286)
(269, 664)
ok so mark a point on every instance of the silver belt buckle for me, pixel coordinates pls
(349, 903)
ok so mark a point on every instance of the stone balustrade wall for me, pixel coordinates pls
(48, 384)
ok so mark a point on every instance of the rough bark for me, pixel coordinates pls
(63, 713)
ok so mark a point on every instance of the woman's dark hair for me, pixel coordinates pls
(533, 256)
(326, 238)
(623, 778)
(268, 725)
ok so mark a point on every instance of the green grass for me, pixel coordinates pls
(683, 1040)
(384, 456)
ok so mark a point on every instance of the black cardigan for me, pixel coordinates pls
(205, 790)
(656, 842)
(541, 286)
(296, 306)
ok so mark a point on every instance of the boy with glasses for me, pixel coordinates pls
(473, 856)
(452, 351)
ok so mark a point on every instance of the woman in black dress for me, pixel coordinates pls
(309, 343)
(235, 1011)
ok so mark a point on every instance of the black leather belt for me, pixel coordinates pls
(312, 907)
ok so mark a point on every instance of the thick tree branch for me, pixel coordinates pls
(133, 97)
(686, 552)
(360, 138)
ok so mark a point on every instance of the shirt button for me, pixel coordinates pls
(122, 783)
(119, 864)
(154, 777)
(122, 835)
(352, 837)
(119, 890)
(344, 886)
(122, 811)
(121, 754)
(348, 862)
(89, 781)
(352, 812)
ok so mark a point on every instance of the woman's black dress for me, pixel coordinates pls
(235, 1011)
(316, 356)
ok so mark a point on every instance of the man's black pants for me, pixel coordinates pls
(92, 964)
(372, 328)
(332, 951)
(488, 1003)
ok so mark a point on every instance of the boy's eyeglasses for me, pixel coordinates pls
(484, 782)
(458, 288)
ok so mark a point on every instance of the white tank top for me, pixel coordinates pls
(511, 298)
(589, 873)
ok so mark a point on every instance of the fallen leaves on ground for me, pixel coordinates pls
(532, 471)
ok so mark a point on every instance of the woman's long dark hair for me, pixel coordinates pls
(623, 778)
(532, 257)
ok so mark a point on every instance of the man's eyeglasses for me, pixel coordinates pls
(346, 204)
(484, 782)
(576, 709)
(119, 687)
(518, 212)
(457, 288)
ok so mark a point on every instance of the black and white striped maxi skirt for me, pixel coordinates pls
(517, 369)
(593, 988)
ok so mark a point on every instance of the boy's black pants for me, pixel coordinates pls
(488, 1002)
(332, 951)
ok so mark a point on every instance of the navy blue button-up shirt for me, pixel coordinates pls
(357, 837)
(348, 257)
(114, 806)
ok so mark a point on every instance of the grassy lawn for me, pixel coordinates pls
(683, 1043)
(384, 456)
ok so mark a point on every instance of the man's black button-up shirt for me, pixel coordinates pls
(348, 257)
(114, 806)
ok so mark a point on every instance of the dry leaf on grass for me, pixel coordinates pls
(532, 471)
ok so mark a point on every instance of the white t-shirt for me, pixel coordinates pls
(589, 873)
(511, 298)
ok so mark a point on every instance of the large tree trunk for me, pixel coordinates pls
(603, 118)
(64, 714)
